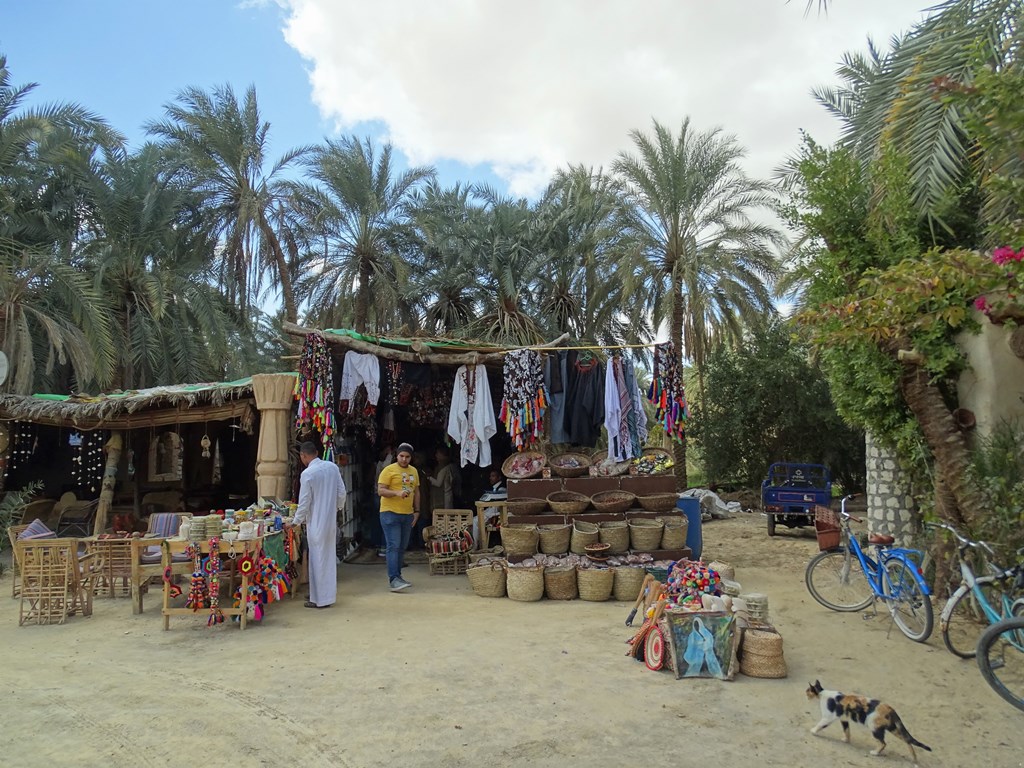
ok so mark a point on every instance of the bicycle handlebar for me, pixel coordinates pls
(842, 508)
(965, 543)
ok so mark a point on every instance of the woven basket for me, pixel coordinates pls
(725, 570)
(628, 581)
(674, 534)
(554, 539)
(613, 501)
(519, 538)
(616, 534)
(761, 653)
(506, 466)
(658, 452)
(658, 502)
(645, 535)
(568, 502)
(525, 584)
(582, 534)
(487, 580)
(526, 506)
(595, 584)
(560, 583)
(570, 471)
(606, 467)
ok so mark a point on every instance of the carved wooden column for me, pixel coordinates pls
(274, 393)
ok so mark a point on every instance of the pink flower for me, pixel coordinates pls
(1006, 254)
(981, 305)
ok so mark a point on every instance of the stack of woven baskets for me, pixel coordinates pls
(761, 652)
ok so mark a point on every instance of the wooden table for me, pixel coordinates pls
(481, 506)
(178, 546)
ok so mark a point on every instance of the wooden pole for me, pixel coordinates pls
(113, 451)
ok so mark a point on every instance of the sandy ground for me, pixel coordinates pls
(439, 677)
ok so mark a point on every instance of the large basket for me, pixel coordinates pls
(487, 580)
(554, 539)
(645, 535)
(658, 502)
(607, 467)
(560, 583)
(761, 653)
(525, 584)
(615, 533)
(723, 569)
(526, 506)
(583, 533)
(826, 526)
(673, 536)
(570, 464)
(641, 462)
(519, 538)
(628, 581)
(613, 501)
(595, 584)
(520, 466)
(568, 502)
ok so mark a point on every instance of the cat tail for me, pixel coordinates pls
(901, 729)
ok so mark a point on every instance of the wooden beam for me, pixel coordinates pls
(162, 417)
(420, 354)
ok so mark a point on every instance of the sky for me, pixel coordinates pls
(493, 92)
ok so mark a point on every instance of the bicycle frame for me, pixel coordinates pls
(877, 576)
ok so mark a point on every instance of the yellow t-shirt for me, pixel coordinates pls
(396, 478)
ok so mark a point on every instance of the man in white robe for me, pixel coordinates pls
(321, 494)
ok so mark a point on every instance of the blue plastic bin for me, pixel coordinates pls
(694, 538)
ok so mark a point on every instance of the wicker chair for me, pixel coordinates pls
(113, 564)
(76, 518)
(55, 581)
(12, 536)
(449, 538)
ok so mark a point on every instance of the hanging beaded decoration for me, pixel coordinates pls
(314, 390)
(216, 614)
(197, 590)
(666, 392)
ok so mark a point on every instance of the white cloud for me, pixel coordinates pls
(530, 86)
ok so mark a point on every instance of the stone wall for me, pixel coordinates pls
(890, 505)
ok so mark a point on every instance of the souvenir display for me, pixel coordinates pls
(666, 391)
(525, 400)
(314, 390)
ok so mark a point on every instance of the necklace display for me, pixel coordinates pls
(314, 391)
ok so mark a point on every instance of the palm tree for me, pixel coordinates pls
(361, 208)
(706, 261)
(219, 148)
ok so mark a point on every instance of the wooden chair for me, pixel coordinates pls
(145, 554)
(55, 581)
(448, 540)
(12, 536)
(41, 509)
(113, 564)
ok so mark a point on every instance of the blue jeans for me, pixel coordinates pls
(397, 529)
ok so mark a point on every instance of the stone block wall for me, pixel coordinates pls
(890, 506)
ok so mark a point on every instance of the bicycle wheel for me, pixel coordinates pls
(836, 580)
(968, 620)
(910, 607)
(1001, 659)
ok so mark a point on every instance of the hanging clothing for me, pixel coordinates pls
(321, 494)
(625, 407)
(471, 420)
(636, 418)
(525, 398)
(584, 402)
(666, 391)
(613, 414)
(314, 391)
(360, 368)
(554, 380)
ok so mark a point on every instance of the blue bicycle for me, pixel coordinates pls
(849, 579)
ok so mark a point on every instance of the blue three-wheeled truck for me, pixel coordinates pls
(791, 491)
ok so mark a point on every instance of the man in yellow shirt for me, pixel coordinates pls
(399, 489)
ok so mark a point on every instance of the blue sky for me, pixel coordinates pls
(485, 91)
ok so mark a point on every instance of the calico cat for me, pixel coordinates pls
(878, 717)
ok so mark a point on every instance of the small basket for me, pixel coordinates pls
(583, 533)
(660, 452)
(616, 534)
(826, 526)
(568, 502)
(761, 653)
(520, 538)
(658, 502)
(595, 584)
(526, 506)
(673, 536)
(527, 464)
(612, 502)
(645, 535)
(554, 539)
(525, 584)
(724, 570)
(607, 467)
(578, 464)
(487, 580)
(560, 583)
(629, 579)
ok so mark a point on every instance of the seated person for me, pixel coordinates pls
(495, 491)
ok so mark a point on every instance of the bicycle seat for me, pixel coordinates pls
(880, 539)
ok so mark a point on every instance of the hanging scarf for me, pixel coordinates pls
(525, 398)
(314, 389)
(666, 392)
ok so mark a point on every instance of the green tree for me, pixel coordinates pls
(706, 261)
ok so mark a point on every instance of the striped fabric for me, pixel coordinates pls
(36, 530)
(450, 544)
